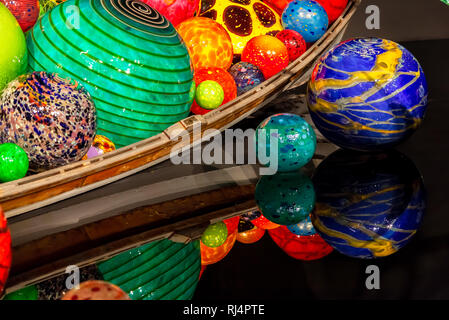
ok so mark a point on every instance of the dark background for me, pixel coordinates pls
(418, 271)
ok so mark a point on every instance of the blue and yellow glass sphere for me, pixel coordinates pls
(285, 198)
(306, 17)
(295, 139)
(368, 205)
(367, 94)
(127, 55)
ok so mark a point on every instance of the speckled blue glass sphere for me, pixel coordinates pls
(368, 205)
(306, 17)
(246, 76)
(367, 94)
(303, 228)
(296, 141)
(285, 198)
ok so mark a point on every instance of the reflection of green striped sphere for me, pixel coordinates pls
(160, 270)
(127, 55)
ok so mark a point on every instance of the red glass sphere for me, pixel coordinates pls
(295, 43)
(25, 11)
(334, 8)
(300, 247)
(5, 250)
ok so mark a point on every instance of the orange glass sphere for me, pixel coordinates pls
(213, 255)
(250, 236)
(223, 78)
(5, 250)
(268, 53)
(208, 43)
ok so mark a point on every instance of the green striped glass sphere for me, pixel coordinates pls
(127, 55)
(160, 270)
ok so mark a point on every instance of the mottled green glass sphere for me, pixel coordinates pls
(13, 162)
(215, 235)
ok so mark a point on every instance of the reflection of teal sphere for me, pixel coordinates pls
(159, 270)
(128, 56)
(367, 94)
(285, 198)
(303, 228)
(368, 205)
(295, 138)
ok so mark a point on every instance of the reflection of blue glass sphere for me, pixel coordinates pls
(306, 17)
(367, 94)
(246, 76)
(303, 228)
(296, 141)
(285, 198)
(368, 205)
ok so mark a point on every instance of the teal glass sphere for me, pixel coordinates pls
(127, 55)
(296, 141)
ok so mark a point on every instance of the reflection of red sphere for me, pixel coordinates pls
(222, 77)
(96, 290)
(5, 250)
(266, 52)
(263, 223)
(295, 43)
(232, 223)
(334, 8)
(250, 236)
(203, 267)
(300, 247)
(213, 255)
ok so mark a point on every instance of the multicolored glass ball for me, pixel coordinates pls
(246, 76)
(294, 42)
(5, 250)
(334, 8)
(13, 55)
(223, 78)
(286, 137)
(215, 235)
(305, 248)
(26, 12)
(127, 55)
(285, 198)
(242, 19)
(13, 162)
(306, 17)
(96, 290)
(209, 95)
(54, 119)
(208, 43)
(268, 53)
(175, 10)
(367, 94)
(369, 205)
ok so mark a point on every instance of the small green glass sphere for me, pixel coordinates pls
(296, 141)
(27, 293)
(209, 95)
(13, 162)
(215, 235)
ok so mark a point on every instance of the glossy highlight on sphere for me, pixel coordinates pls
(223, 78)
(208, 43)
(242, 19)
(5, 250)
(367, 94)
(13, 162)
(215, 235)
(54, 119)
(159, 270)
(285, 198)
(246, 76)
(306, 17)
(13, 55)
(209, 95)
(306, 248)
(296, 141)
(380, 209)
(294, 42)
(96, 290)
(268, 53)
(26, 12)
(175, 10)
(128, 56)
